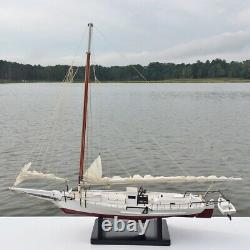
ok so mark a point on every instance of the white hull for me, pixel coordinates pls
(119, 203)
(226, 207)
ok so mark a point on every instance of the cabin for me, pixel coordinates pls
(135, 197)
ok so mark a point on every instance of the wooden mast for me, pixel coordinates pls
(85, 106)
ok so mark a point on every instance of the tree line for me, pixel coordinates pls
(155, 71)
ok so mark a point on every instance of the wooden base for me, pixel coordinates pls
(157, 234)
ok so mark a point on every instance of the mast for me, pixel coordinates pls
(85, 105)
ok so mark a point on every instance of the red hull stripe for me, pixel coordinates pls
(207, 213)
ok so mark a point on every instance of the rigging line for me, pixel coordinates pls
(79, 45)
(90, 124)
(67, 75)
(51, 138)
(39, 145)
(76, 52)
(119, 163)
(51, 123)
(99, 117)
(47, 152)
(209, 187)
(75, 73)
(94, 71)
(116, 158)
(94, 62)
(165, 153)
(115, 155)
(135, 151)
(121, 55)
(99, 107)
(96, 81)
(98, 95)
(43, 140)
(140, 74)
(34, 148)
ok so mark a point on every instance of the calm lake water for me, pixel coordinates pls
(158, 129)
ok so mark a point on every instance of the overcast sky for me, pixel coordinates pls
(49, 32)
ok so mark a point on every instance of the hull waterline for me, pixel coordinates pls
(207, 213)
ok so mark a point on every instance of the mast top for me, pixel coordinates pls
(90, 25)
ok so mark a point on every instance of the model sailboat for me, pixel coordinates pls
(132, 203)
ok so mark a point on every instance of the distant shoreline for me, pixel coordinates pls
(200, 80)
(213, 71)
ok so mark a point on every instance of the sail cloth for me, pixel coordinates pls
(93, 176)
(26, 174)
(95, 169)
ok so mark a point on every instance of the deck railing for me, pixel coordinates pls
(155, 207)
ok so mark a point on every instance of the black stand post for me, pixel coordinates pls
(159, 229)
(99, 231)
(157, 234)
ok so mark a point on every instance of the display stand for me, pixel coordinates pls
(157, 234)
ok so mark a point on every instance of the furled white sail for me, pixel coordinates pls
(95, 170)
(148, 179)
(93, 176)
(26, 174)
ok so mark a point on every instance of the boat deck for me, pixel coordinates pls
(157, 201)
